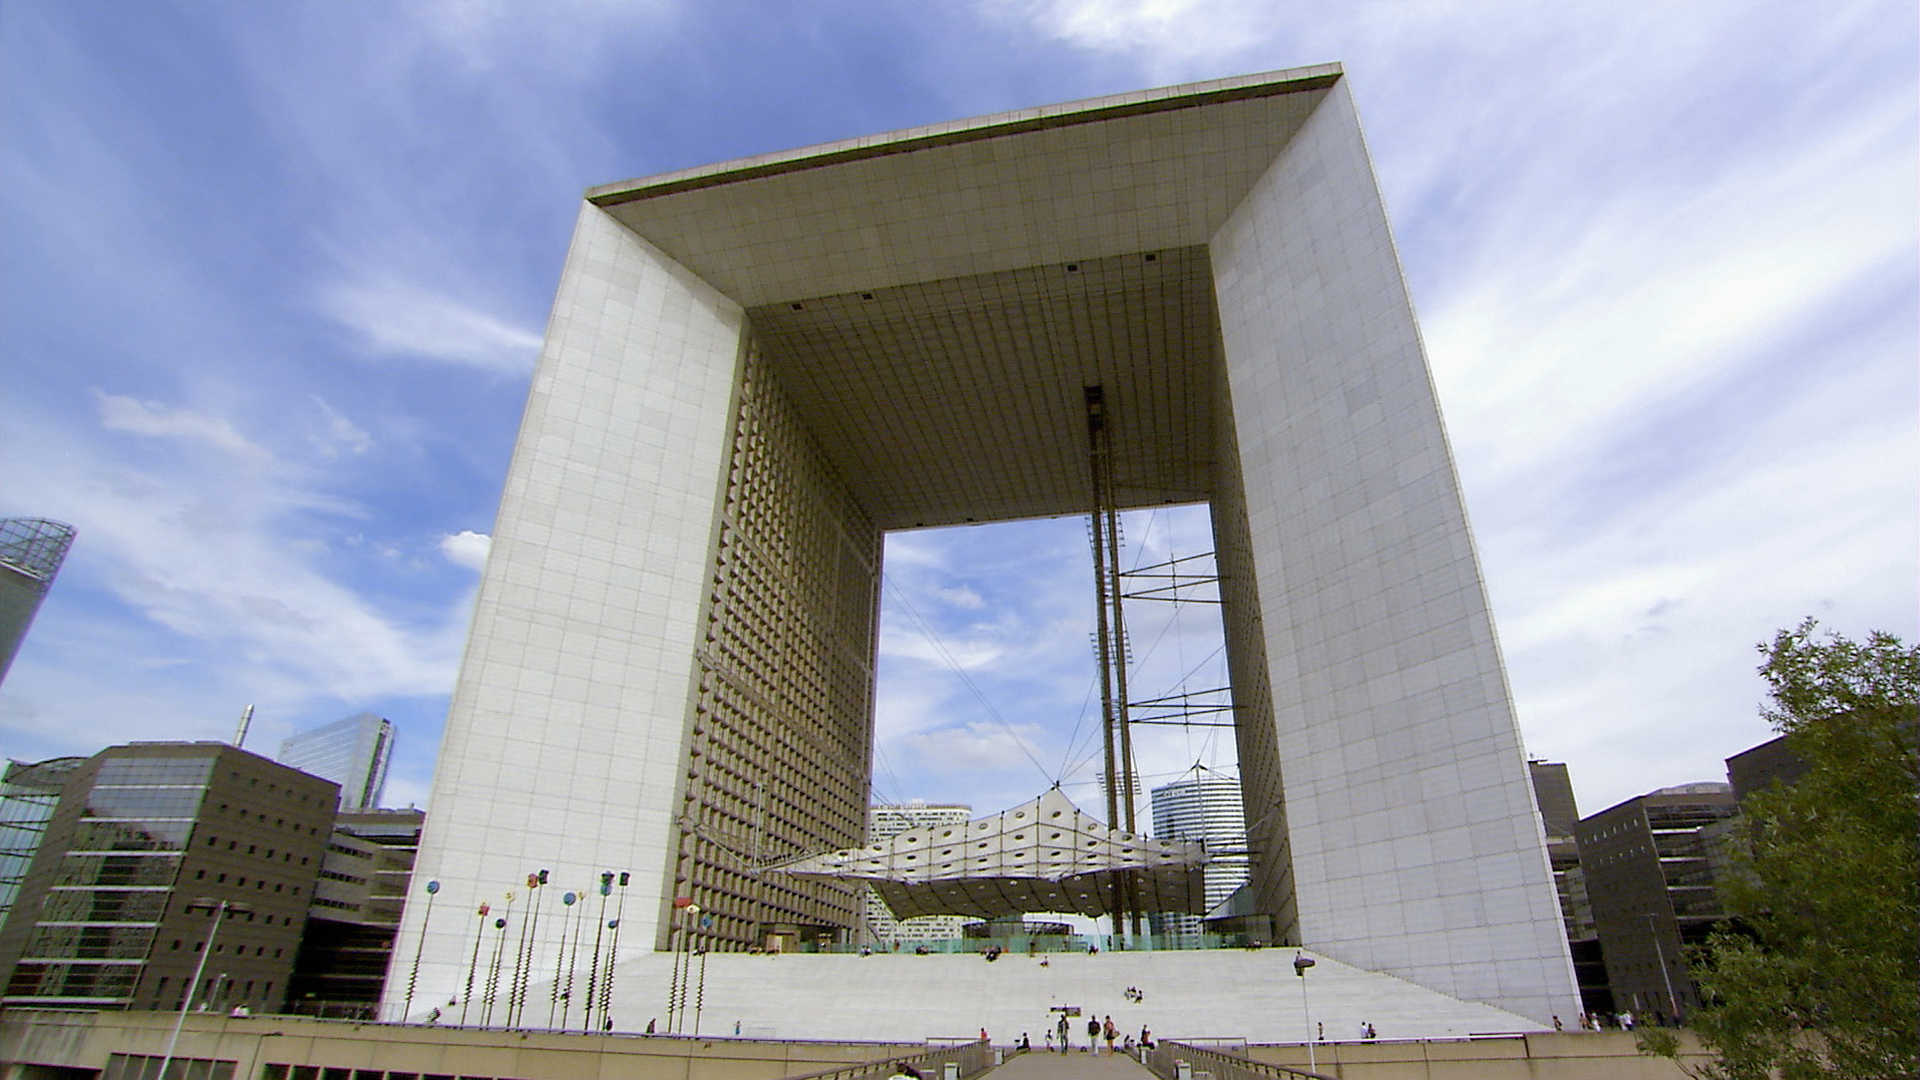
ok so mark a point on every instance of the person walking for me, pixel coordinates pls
(1093, 1035)
(1110, 1032)
(1065, 1043)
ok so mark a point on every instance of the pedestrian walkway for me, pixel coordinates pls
(1079, 1065)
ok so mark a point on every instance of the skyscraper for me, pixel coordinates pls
(755, 370)
(352, 753)
(31, 551)
(1205, 808)
(888, 820)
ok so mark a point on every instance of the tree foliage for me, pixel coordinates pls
(1818, 973)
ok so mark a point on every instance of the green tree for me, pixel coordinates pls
(1818, 973)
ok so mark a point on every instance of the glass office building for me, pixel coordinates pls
(144, 843)
(28, 795)
(352, 753)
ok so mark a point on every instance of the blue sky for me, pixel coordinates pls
(276, 276)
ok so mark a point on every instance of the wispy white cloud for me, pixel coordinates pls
(1167, 38)
(131, 415)
(977, 746)
(944, 652)
(337, 432)
(404, 319)
(963, 598)
(205, 583)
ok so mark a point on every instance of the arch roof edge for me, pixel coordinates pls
(952, 132)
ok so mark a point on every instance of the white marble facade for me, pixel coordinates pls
(1399, 820)
(1414, 839)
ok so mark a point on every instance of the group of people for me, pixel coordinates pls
(1097, 1029)
(1366, 1031)
(1134, 994)
(1600, 1021)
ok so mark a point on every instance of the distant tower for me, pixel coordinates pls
(352, 753)
(888, 820)
(31, 550)
(1206, 808)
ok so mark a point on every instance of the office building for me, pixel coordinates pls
(755, 370)
(884, 822)
(1649, 864)
(363, 885)
(352, 753)
(1760, 767)
(1560, 820)
(145, 845)
(31, 551)
(1207, 809)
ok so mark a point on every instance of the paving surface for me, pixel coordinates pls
(1078, 1065)
(1195, 996)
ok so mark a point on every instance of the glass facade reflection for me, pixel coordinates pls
(115, 907)
(28, 796)
(136, 820)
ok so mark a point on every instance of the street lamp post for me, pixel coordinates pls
(690, 916)
(473, 965)
(220, 909)
(535, 882)
(414, 976)
(1653, 931)
(700, 995)
(613, 954)
(560, 961)
(573, 958)
(1300, 965)
(593, 966)
(493, 969)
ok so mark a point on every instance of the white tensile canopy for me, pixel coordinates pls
(1044, 855)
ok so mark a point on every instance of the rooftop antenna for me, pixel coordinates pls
(246, 720)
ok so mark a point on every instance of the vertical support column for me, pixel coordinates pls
(1410, 821)
(1111, 634)
(565, 731)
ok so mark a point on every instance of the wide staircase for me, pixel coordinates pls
(1242, 995)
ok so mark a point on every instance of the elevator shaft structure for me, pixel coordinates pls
(1110, 635)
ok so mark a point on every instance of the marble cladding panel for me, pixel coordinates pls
(567, 721)
(1377, 632)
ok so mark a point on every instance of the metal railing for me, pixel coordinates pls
(971, 1057)
(1166, 1058)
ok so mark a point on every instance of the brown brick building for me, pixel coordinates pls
(1649, 865)
(146, 842)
